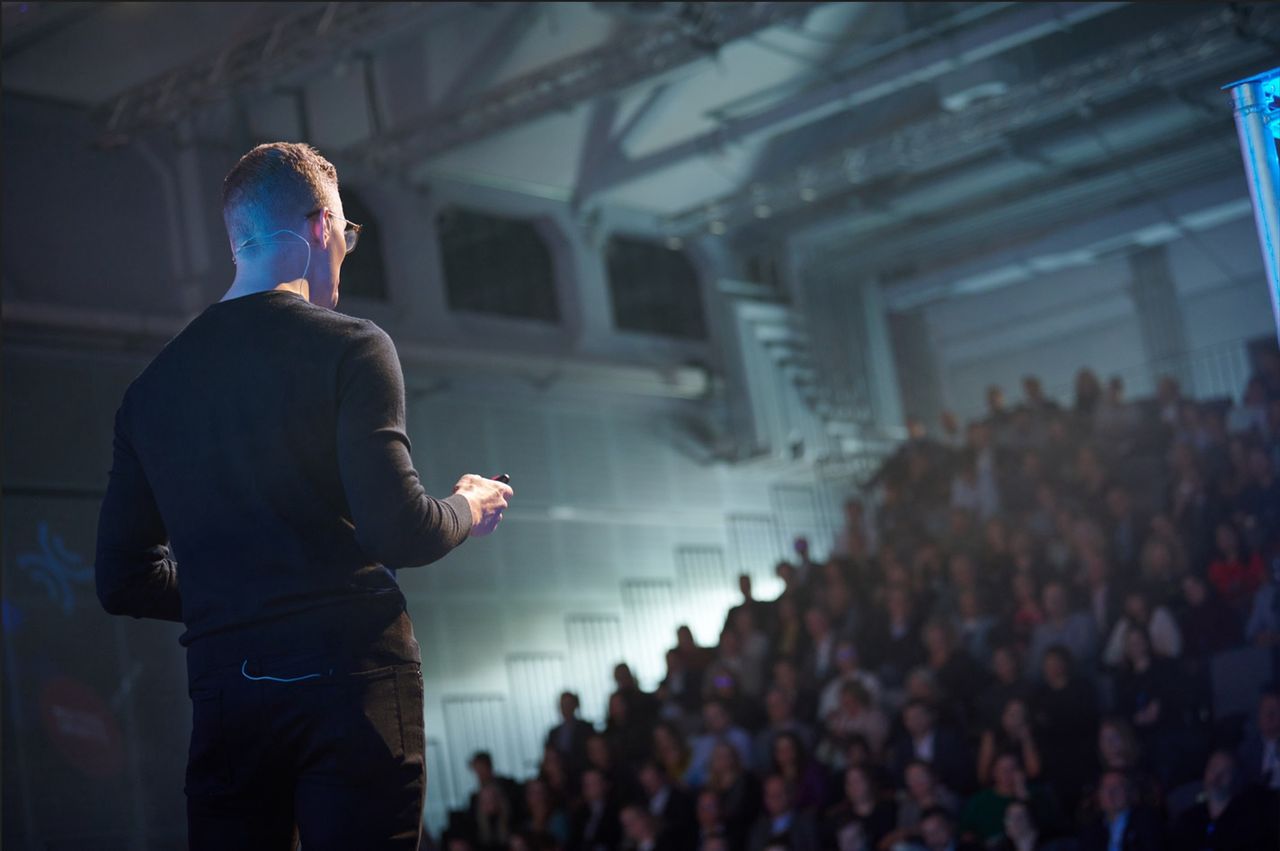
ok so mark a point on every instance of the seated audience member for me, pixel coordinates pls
(641, 705)
(920, 792)
(892, 640)
(959, 675)
(1259, 754)
(673, 808)
(782, 719)
(712, 833)
(848, 670)
(1027, 615)
(680, 692)
(759, 607)
(720, 728)
(941, 748)
(600, 756)
(744, 650)
(641, 830)
(1063, 626)
(1155, 620)
(1122, 822)
(545, 817)
(788, 632)
(1159, 569)
(856, 715)
(1263, 626)
(595, 823)
(671, 751)
(1064, 709)
(738, 791)
(1234, 573)
(1250, 414)
(1148, 695)
(1119, 750)
(805, 777)
(861, 813)
(1229, 817)
(1258, 505)
(983, 815)
(1207, 624)
(818, 661)
(974, 627)
(722, 687)
(1020, 830)
(782, 823)
(512, 795)
(491, 815)
(569, 737)
(938, 832)
(1103, 594)
(1013, 734)
(732, 663)
(1006, 683)
(554, 771)
(786, 676)
(629, 739)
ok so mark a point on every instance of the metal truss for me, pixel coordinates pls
(696, 31)
(1150, 63)
(290, 44)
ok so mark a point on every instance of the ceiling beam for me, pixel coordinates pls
(266, 58)
(700, 30)
(881, 79)
(1197, 46)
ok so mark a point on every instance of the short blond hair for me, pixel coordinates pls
(273, 184)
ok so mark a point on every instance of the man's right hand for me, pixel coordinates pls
(488, 499)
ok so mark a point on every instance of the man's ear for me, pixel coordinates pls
(320, 228)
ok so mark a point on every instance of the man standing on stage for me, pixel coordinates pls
(262, 493)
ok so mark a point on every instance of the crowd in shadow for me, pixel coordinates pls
(1010, 644)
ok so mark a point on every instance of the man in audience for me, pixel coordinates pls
(780, 709)
(1122, 824)
(569, 737)
(939, 747)
(1259, 754)
(512, 795)
(1229, 817)
(595, 824)
(673, 808)
(1063, 626)
(938, 832)
(719, 728)
(780, 824)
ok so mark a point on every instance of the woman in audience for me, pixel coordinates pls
(1234, 573)
(1020, 830)
(671, 751)
(920, 793)
(806, 781)
(738, 793)
(1065, 713)
(1155, 620)
(857, 715)
(1148, 695)
(545, 818)
(862, 806)
(1012, 734)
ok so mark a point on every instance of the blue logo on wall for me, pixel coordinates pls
(56, 568)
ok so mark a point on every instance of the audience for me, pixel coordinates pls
(1011, 644)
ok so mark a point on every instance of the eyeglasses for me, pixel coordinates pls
(350, 234)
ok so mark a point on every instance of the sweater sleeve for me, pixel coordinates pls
(396, 521)
(133, 569)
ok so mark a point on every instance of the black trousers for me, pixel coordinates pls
(309, 748)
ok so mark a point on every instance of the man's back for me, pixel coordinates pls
(270, 433)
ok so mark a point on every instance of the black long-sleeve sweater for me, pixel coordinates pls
(261, 488)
